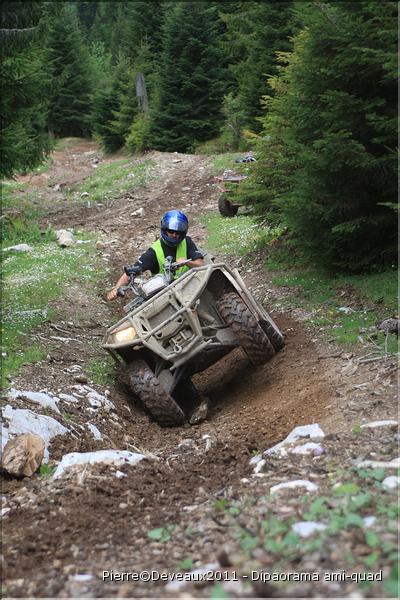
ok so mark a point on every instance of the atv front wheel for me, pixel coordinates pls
(154, 397)
(226, 208)
(252, 338)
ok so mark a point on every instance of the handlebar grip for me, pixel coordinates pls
(132, 271)
(121, 292)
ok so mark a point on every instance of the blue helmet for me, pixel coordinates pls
(174, 220)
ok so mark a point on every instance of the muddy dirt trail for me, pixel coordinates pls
(61, 535)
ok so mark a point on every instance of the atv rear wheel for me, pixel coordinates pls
(226, 208)
(274, 336)
(154, 397)
(252, 338)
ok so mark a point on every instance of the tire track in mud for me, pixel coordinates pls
(74, 528)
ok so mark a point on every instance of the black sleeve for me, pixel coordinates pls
(148, 261)
(191, 249)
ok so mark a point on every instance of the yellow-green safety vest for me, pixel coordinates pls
(181, 252)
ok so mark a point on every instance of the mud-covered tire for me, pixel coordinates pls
(274, 336)
(240, 319)
(226, 208)
(161, 405)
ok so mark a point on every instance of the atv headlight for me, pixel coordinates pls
(124, 335)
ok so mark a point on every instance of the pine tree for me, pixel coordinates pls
(255, 32)
(329, 156)
(188, 104)
(24, 140)
(69, 67)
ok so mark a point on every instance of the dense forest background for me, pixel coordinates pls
(310, 86)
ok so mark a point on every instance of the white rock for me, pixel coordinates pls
(68, 398)
(41, 398)
(307, 528)
(308, 448)
(292, 485)
(255, 459)
(374, 424)
(369, 521)
(93, 429)
(120, 474)
(81, 577)
(19, 248)
(26, 421)
(391, 483)
(23, 455)
(259, 466)
(108, 457)
(313, 431)
(97, 400)
(377, 464)
(65, 238)
(138, 213)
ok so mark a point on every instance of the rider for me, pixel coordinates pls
(173, 242)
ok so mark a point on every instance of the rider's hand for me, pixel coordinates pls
(112, 294)
(180, 259)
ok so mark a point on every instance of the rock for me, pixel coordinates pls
(309, 448)
(65, 238)
(85, 195)
(177, 160)
(391, 325)
(41, 398)
(349, 369)
(255, 459)
(108, 457)
(380, 464)
(81, 378)
(313, 431)
(57, 187)
(93, 429)
(138, 213)
(100, 245)
(391, 483)
(97, 400)
(19, 248)
(26, 421)
(259, 466)
(374, 424)
(306, 528)
(23, 455)
(200, 413)
(292, 485)
(369, 521)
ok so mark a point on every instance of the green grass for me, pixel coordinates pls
(239, 235)
(20, 215)
(114, 179)
(31, 282)
(102, 370)
(348, 306)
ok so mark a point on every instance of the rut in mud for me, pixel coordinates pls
(64, 528)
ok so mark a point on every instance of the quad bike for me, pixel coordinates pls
(225, 206)
(175, 328)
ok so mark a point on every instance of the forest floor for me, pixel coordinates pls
(196, 501)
